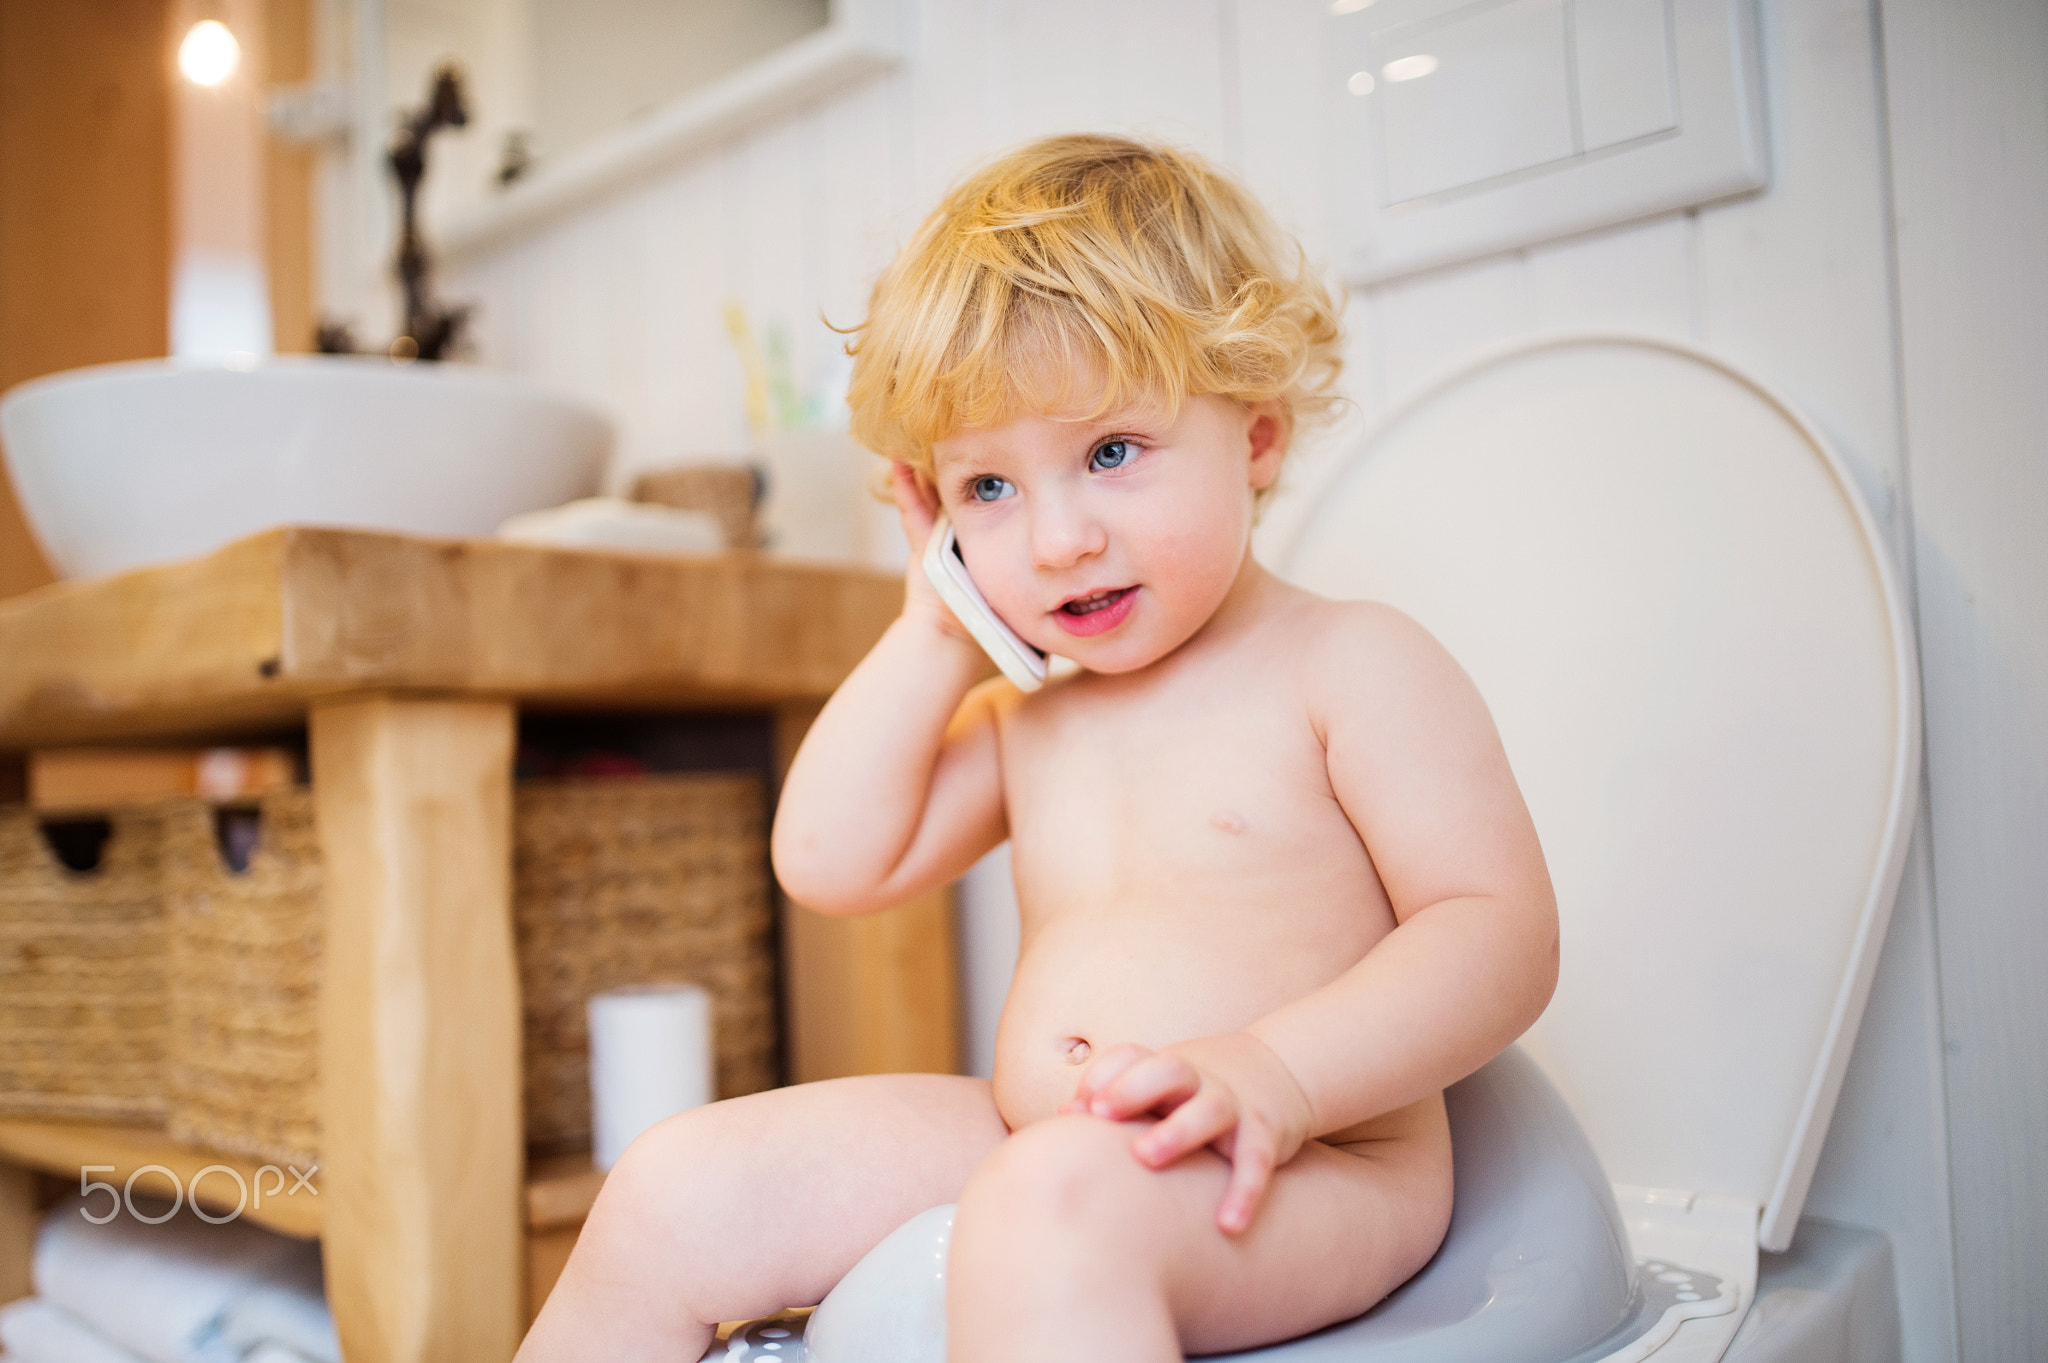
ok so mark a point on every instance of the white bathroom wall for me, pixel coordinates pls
(1967, 83)
(621, 301)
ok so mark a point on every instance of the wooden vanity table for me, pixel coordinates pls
(407, 661)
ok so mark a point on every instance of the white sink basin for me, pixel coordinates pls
(124, 464)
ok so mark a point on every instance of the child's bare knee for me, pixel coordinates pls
(668, 1178)
(666, 1205)
(652, 1156)
(1069, 1170)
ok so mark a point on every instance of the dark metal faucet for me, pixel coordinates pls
(431, 330)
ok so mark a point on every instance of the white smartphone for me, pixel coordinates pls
(947, 571)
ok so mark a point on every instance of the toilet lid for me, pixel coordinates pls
(1677, 606)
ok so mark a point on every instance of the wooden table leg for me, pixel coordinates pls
(873, 995)
(17, 1231)
(422, 1147)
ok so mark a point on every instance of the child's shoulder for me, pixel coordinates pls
(1350, 632)
(1367, 653)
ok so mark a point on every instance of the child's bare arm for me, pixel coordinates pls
(897, 787)
(1416, 764)
(1419, 769)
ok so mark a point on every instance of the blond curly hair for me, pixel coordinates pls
(1081, 274)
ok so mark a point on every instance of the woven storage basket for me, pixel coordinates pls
(652, 880)
(731, 493)
(245, 983)
(663, 879)
(81, 973)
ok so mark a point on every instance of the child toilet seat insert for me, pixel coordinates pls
(1677, 605)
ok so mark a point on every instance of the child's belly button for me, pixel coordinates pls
(1033, 1081)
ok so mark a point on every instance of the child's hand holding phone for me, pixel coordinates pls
(917, 503)
(938, 578)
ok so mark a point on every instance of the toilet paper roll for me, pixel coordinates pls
(650, 1058)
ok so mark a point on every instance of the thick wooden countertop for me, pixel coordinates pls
(250, 635)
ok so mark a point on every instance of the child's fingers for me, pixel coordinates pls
(908, 489)
(1157, 1083)
(1210, 1113)
(1103, 1071)
(916, 502)
(1253, 1156)
(917, 506)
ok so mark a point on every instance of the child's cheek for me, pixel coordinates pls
(1200, 555)
(1004, 578)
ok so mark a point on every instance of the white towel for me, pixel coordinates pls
(34, 1331)
(163, 1292)
(288, 1316)
(274, 1353)
(614, 523)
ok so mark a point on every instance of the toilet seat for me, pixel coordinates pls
(1671, 594)
(1677, 605)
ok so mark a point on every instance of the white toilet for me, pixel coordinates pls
(1678, 607)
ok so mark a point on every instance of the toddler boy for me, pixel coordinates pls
(1278, 885)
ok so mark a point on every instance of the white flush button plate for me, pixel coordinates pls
(1474, 96)
(1464, 128)
(1622, 69)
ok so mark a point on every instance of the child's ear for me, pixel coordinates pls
(1267, 435)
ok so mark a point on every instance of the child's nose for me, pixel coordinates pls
(1063, 535)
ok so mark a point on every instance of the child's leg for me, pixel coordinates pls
(1065, 1244)
(744, 1207)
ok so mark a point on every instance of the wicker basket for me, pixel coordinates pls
(730, 492)
(245, 983)
(656, 879)
(82, 1018)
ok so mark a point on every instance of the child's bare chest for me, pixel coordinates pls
(1217, 800)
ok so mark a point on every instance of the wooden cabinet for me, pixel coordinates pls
(407, 661)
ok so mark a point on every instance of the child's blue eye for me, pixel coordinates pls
(990, 489)
(1111, 454)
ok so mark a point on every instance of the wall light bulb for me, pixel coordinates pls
(209, 53)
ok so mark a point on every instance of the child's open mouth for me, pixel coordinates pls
(1098, 612)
